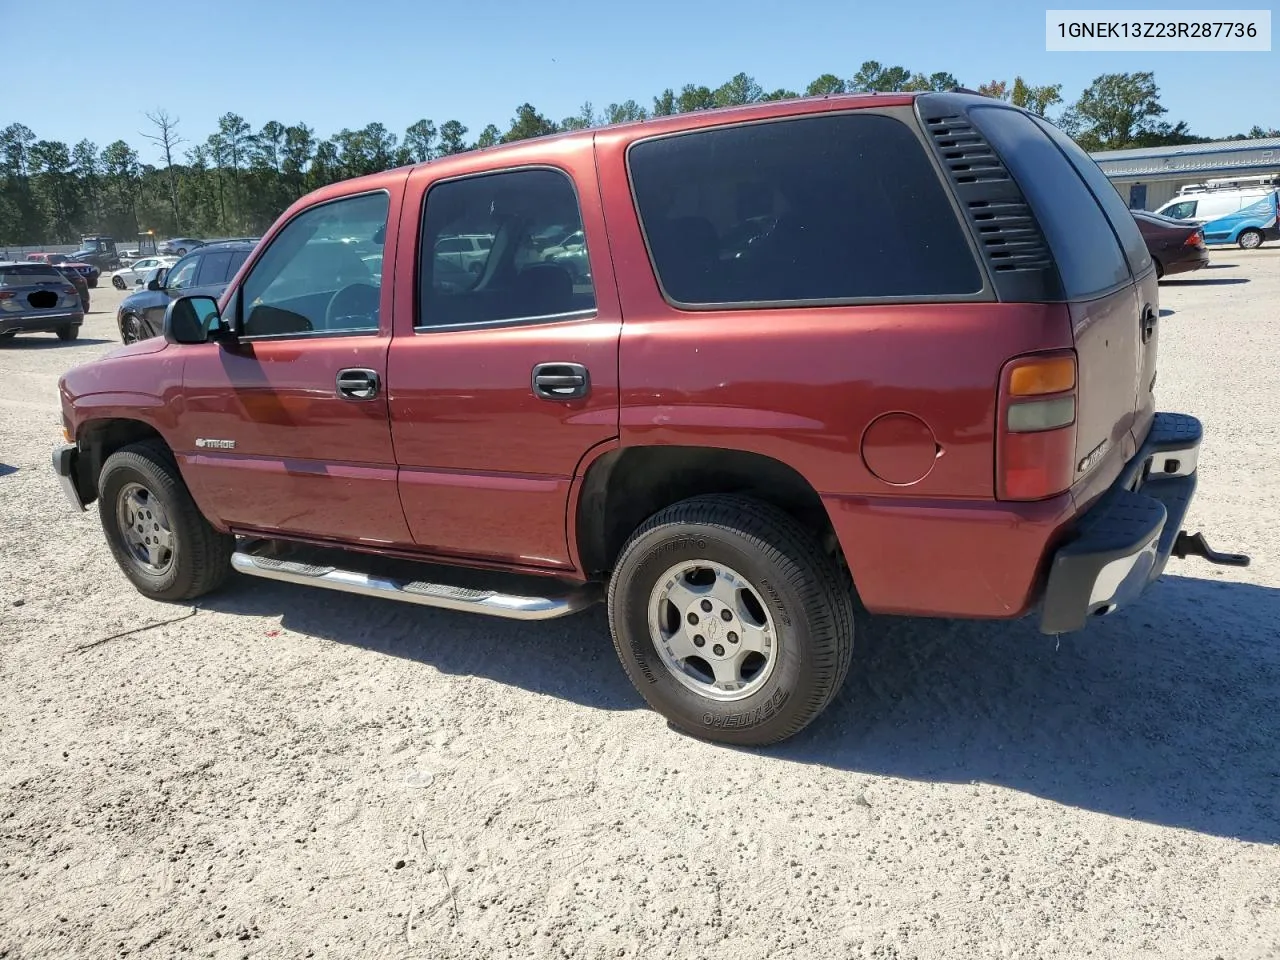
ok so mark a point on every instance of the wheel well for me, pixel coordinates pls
(624, 488)
(99, 439)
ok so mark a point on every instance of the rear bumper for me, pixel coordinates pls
(42, 322)
(1124, 541)
(1187, 264)
(66, 464)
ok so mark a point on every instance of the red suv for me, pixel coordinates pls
(897, 348)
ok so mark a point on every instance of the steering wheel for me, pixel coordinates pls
(353, 306)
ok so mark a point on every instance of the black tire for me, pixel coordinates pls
(130, 329)
(200, 558)
(8, 334)
(118, 282)
(68, 331)
(92, 283)
(805, 594)
(1159, 270)
(1250, 239)
(182, 252)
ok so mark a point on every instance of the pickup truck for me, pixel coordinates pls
(924, 387)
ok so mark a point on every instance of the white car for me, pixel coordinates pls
(469, 251)
(132, 275)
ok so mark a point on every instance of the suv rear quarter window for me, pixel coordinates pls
(825, 209)
(1089, 257)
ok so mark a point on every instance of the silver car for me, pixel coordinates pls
(35, 298)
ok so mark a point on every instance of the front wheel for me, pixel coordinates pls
(731, 620)
(130, 329)
(1250, 239)
(158, 536)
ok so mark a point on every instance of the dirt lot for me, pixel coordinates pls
(286, 772)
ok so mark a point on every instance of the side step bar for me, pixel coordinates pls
(566, 600)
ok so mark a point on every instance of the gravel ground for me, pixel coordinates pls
(286, 772)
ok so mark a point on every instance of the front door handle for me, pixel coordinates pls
(357, 383)
(561, 381)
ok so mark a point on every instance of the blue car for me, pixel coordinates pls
(1248, 227)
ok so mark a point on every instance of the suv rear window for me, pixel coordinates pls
(820, 209)
(18, 274)
(1088, 255)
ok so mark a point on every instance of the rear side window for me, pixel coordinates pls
(510, 279)
(1117, 211)
(213, 268)
(1088, 256)
(820, 209)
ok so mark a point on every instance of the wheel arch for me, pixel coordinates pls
(99, 439)
(624, 487)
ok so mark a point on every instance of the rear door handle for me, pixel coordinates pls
(357, 383)
(561, 381)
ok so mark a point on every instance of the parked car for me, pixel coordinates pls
(206, 270)
(955, 420)
(77, 281)
(1176, 246)
(36, 298)
(178, 246)
(87, 271)
(136, 272)
(41, 257)
(468, 251)
(1249, 226)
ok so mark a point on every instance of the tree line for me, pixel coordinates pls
(237, 180)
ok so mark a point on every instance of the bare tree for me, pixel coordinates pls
(166, 136)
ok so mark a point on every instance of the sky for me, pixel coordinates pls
(337, 63)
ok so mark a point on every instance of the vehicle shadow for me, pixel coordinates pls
(1167, 312)
(1220, 266)
(1166, 713)
(570, 658)
(6, 469)
(35, 341)
(1205, 281)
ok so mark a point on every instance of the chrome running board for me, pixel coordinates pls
(564, 599)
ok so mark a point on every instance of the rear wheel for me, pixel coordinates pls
(154, 529)
(118, 282)
(731, 620)
(8, 334)
(93, 282)
(1159, 270)
(68, 331)
(1250, 239)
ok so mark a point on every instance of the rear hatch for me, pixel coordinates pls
(1107, 279)
(34, 289)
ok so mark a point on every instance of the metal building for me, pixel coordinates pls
(1150, 176)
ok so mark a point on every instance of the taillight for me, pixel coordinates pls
(6, 294)
(1195, 240)
(1036, 430)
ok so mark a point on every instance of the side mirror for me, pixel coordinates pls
(193, 320)
(157, 282)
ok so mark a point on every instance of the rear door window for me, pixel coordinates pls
(213, 268)
(825, 209)
(1089, 257)
(516, 281)
(1117, 211)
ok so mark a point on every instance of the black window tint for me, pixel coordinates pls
(18, 274)
(1112, 204)
(237, 261)
(516, 278)
(821, 208)
(1087, 253)
(213, 268)
(313, 279)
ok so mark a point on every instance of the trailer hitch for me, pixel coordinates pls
(1194, 545)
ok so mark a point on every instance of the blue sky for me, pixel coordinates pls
(335, 63)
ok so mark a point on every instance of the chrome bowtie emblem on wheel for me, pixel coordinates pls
(205, 443)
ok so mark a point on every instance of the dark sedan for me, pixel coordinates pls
(77, 280)
(1177, 246)
(206, 270)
